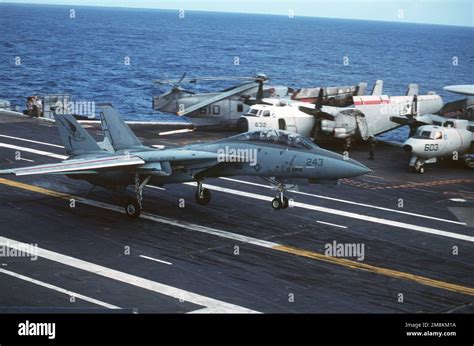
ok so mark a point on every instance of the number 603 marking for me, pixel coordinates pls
(431, 147)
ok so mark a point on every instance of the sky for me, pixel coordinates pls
(446, 12)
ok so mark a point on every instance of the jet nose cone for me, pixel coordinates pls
(353, 168)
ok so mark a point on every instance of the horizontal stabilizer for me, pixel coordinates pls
(78, 166)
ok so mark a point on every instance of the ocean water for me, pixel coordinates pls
(85, 56)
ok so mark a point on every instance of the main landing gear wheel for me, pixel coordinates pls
(133, 208)
(279, 203)
(203, 195)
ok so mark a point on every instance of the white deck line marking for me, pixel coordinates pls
(34, 151)
(350, 202)
(140, 122)
(27, 160)
(174, 132)
(331, 224)
(59, 289)
(156, 260)
(214, 305)
(346, 214)
(32, 141)
(199, 311)
(184, 224)
(156, 187)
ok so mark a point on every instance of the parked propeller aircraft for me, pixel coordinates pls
(224, 108)
(123, 161)
(368, 116)
(444, 137)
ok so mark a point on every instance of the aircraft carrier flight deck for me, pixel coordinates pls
(236, 254)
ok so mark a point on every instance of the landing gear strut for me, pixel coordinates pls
(419, 166)
(372, 143)
(203, 195)
(133, 208)
(347, 143)
(280, 201)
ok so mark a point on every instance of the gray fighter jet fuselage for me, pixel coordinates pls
(276, 156)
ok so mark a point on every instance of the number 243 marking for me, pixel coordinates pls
(314, 162)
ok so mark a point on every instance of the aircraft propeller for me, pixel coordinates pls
(260, 79)
(176, 85)
(317, 112)
(412, 119)
(412, 122)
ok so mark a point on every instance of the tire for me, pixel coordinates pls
(276, 204)
(419, 167)
(286, 202)
(204, 198)
(133, 209)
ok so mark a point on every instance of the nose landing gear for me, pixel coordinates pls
(280, 201)
(419, 166)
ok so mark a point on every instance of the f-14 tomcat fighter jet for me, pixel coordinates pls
(274, 155)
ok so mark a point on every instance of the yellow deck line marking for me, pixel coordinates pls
(287, 249)
(383, 271)
(32, 188)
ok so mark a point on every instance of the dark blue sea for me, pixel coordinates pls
(85, 56)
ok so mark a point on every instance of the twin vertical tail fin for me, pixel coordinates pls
(378, 88)
(361, 89)
(75, 138)
(115, 129)
(412, 90)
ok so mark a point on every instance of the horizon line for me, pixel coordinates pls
(233, 12)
